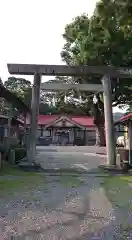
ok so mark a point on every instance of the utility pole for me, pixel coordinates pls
(34, 115)
(9, 125)
(109, 127)
(25, 128)
(130, 141)
(8, 141)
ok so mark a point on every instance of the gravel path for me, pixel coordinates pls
(56, 211)
(60, 207)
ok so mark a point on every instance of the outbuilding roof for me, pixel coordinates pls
(124, 119)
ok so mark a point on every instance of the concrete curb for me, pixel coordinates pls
(95, 155)
(111, 168)
(101, 153)
(63, 170)
(27, 166)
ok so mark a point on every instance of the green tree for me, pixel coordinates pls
(129, 109)
(65, 102)
(104, 39)
(21, 87)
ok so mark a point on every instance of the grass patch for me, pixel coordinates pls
(118, 190)
(15, 171)
(120, 194)
(126, 178)
(12, 178)
(70, 181)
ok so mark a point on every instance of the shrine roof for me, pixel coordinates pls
(85, 121)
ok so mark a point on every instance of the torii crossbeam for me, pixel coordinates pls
(54, 87)
(64, 70)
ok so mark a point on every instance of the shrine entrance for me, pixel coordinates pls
(103, 72)
(62, 137)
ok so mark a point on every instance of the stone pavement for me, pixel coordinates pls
(57, 210)
(83, 149)
(69, 157)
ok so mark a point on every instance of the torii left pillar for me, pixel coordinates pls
(34, 116)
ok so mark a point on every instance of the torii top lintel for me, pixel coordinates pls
(65, 70)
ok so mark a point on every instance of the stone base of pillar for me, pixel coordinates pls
(30, 156)
(113, 168)
(30, 167)
(109, 167)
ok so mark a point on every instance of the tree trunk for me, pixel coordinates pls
(100, 135)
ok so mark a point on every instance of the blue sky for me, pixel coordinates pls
(31, 30)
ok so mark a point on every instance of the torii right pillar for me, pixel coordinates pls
(109, 126)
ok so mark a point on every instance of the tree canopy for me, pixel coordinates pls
(103, 39)
(21, 87)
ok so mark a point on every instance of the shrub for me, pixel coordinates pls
(3, 150)
(14, 146)
(20, 153)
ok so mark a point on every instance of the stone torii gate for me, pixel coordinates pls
(77, 71)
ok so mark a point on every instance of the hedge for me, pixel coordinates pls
(20, 151)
